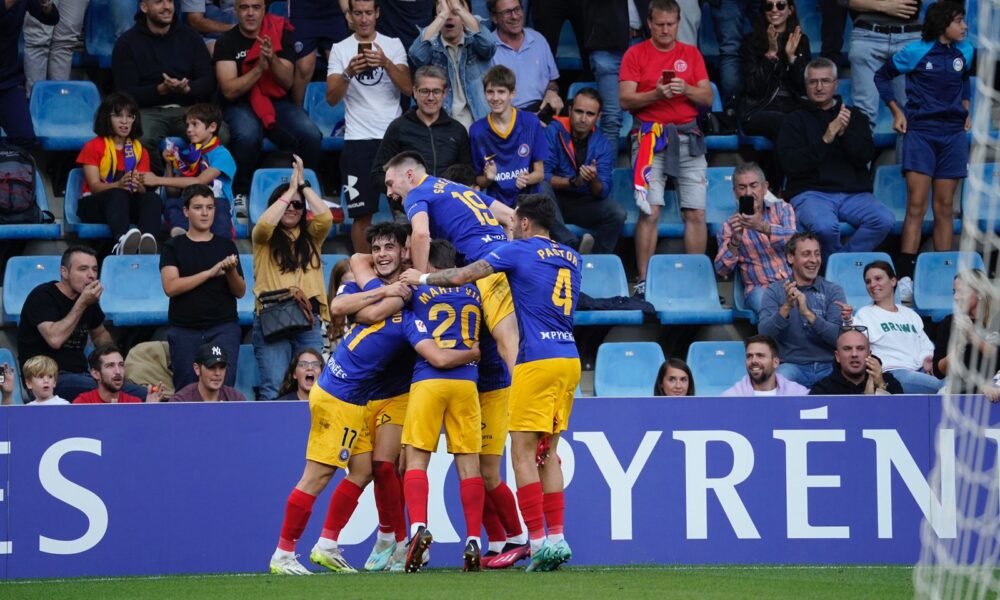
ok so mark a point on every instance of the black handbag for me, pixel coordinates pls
(284, 313)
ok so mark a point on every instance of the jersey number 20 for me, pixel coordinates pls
(468, 329)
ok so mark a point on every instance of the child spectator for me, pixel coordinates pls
(114, 167)
(203, 161)
(40, 374)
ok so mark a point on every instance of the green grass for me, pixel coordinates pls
(612, 582)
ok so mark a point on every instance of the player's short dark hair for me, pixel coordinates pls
(406, 156)
(538, 209)
(762, 339)
(798, 238)
(938, 17)
(67, 256)
(592, 93)
(206, 113)
(117, 102)
(442, 254)
(664, 5)
(94, 360)
(387, 229)
(462, 173)
(500, 76)
(200, 190)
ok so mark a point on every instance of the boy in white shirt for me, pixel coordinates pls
(40, 374)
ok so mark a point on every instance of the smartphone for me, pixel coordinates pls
(747, 205)
(668, 75)
(362, 46)
(546, 114)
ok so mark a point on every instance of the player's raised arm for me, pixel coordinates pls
(449, 277)
(420, 240)
(440, 358)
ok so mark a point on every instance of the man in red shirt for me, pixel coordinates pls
(107, 367)
(662, 83)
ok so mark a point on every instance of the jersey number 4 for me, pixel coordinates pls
(562, 292)
(469, 324)
(478, 207)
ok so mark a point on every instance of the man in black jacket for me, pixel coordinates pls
(426, 129)
(857, 372)
(166, 68)
(825, 148)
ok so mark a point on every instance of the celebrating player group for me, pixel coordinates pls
(453, 326)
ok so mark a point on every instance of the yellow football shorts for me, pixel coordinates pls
(338, 429)
(451, 402)
(391, 411)
(496, 299)
(541, 396)
(495, 407)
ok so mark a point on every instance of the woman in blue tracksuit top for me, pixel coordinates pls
(933, 123)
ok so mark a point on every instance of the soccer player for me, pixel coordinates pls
(545, 281)
(449, 398)
(446, 210)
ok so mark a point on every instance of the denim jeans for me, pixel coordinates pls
(730, 18)
(753, 299)
(917, 382)
(868, 52)
(822, 213)
(273, 357)
(806, 374)
(184, 343)
(293, 131)
(605, 66)
(70, 385)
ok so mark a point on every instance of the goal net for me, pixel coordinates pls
(966, 566)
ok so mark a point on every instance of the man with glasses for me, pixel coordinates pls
(858, 371)
(525, 52)
(824, 149)
(804, 314)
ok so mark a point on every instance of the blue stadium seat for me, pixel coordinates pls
(247, 373)
(983, 178)
(683, 290)
(716, 366)
(576, 86)
(7, 357)
(74, 188)
(727, 143)
(568, 52)
(604, 277)
(23, 274)
(846, 269)
(278, 8)
(932, 281)
(384, 214)
(104, 22)
(133, 292)
(626, 369)
(327, 118)
(329, 261)
(63, 113)
(721, 203)
(740, 309)
(34, 231)
(265, 181)
(247, 305)
(890, 189)
(670, 223)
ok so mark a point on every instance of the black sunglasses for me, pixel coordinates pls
(297, 204)
(858, 328)
(769, 6)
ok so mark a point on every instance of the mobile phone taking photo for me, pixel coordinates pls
(747, 205)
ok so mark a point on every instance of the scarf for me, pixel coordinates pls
(191, 161)
(651, 141)
(109, 162)
(266, 89)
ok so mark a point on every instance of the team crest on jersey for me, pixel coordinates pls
(958, 64)
(523, 150)
(680, 66)
(929, 66)
(298, 47)
(420, 325)
(345, 454)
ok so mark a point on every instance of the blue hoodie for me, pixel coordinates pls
(937, 81)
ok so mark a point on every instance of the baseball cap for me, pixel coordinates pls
(210, 355)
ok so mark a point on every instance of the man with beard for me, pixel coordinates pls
(107, 367)
(762, 378)
(210, 366)
(859, 372)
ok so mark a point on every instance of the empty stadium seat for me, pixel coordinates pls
(63, 113)
(568, 52)
(740, 309)
(716, 366)
(933, 277)
(133, 292)
(265, 181)
(622, 191)
(683, 290)
(329, 261)
(983, 179)
(74, 188)
(728, 142)
(890, 189)
(247, 372)
(576, 86)
(34, 231)
(247, 305)
(23, 274)
(278, 8)
(720, 203)
(627, 369)
(846, 269)
(604, 277)
(104, 23)
(327, 118)
(7, 357)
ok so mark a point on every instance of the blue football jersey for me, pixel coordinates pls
(493, 371)
(513, 151)
(452, 316)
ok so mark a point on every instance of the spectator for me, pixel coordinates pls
(211, 370)
(319, 24)
(730, 22)
(804, 314)
(403, 19)
(824, 149)
(833, 19)
(286, 254)
(340, 276)
(301, 374)
(202, 276)
(578, 173)
(368, 71)
(666, 141)
(48, 47)
(15, 119)
(426, 129)
(550, 16)
(674, 379)
(7, 385)
(459, 44)
(253, 63)
(858, 372)
(762, 377)
(210, 18)
(525, 52)
(107, 367)
(935, 148)
(114, 167)
(205, 161)
(755, 243)
(40, 376)
(896, 333)
(881, 28)
(608, 37)
(166, 68)
(974, 318)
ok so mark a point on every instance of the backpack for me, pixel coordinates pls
(17, 186)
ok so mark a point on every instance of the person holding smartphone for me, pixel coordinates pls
(753, 239)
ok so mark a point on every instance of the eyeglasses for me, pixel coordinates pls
(821, 82)
(858, 328)
(297, 204)
(430, 92)
(510, 12)
(775, 6)
(305, 364)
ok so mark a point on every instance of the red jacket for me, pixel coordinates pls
(266, 87)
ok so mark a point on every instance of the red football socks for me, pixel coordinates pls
(473, 494)
(387, 494)
(506, 507)
(415, 489)
(297, 511)
(342, 505)
(495, 531)
(554, 504)
(529, 498)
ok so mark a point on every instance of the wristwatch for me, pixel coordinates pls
(304, 184)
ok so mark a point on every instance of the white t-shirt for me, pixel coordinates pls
(898, 338)
(53, 401)
(372, 100)
(773, 392)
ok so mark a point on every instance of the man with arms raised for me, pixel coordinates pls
(762, 378)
